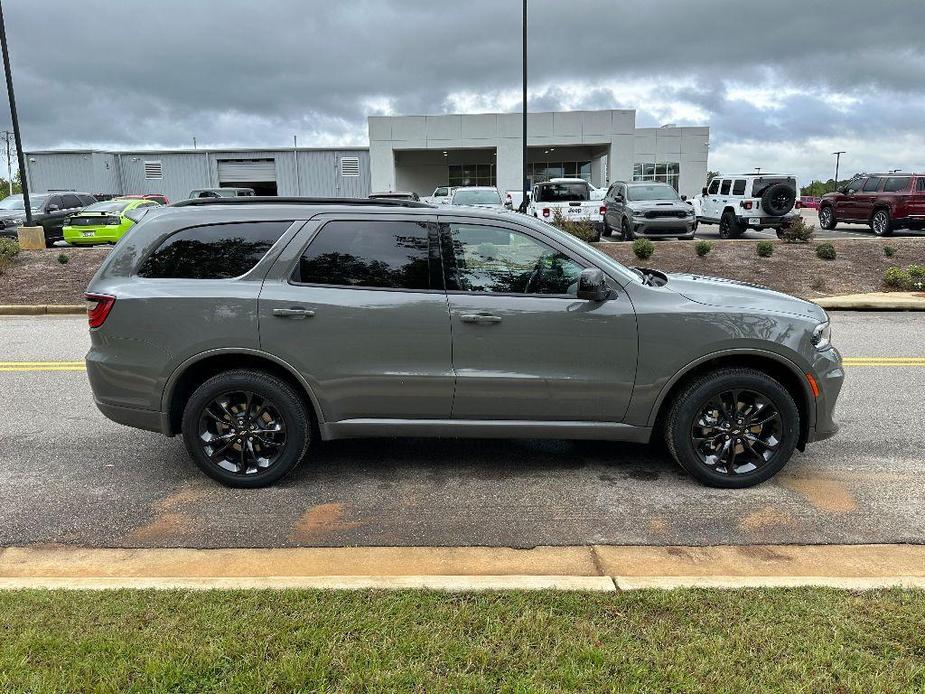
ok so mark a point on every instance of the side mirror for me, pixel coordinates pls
(618, 197)
(703, 191)
(842, 189)
(53, 208)
(683, 198)
(592, 286)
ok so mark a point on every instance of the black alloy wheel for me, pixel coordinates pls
(242, 432)
(881, 223)
(827, 218)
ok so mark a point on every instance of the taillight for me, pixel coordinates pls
(546, 212)
(603, 210)
(97, 312)
(746, 204)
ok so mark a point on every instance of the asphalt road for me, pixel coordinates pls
(70, 476)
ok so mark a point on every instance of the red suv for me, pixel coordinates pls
(885, 201)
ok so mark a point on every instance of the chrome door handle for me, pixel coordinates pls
(294, 313)
(479, 318)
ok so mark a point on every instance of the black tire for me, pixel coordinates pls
(779, 199)
(729, 227)
(606, 229)
(780, 232)
(881, 223)
(626, 232)
(281, 405)
(690, 408)
(827, 219)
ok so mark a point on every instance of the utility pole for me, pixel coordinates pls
(837, 156)
(526, 184)
(194, 142)
(295, 157)
(9, 160)
(15, 119)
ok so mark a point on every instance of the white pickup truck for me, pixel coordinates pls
(569, 196)
(442, 196)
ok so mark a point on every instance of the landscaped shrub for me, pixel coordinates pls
(62, 258)
(826, 251)
(704, 247)
(897, 278)
(798, 231)
(9, 249)
(889, 251)
(643, 249)
(582, 229)
(916, 272)
(765, 249)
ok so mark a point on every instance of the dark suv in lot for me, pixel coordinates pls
(49, 211)
(254, 326)
(884, 201)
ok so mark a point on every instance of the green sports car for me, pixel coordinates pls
(105, 222)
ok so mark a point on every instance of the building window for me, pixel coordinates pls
(472, 175)
(153, 170)
(350, 166)
(542, 171)
(664, 172)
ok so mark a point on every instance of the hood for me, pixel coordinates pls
(670, 205)
(13, 214)
(716, 291)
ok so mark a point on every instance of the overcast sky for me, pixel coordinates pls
(781, 83)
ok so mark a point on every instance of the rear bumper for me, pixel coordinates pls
(149, 420)
(101, 234)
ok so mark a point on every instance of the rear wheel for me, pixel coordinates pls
(733, 428)
(246, 428)
(729, 227)
(827, 218)
(881, 223)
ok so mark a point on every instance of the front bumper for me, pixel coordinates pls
(664, 227)
(830, 376)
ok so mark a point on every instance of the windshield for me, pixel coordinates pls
(15, 202)
(477, 197)
(658, 191)
(108, 206)
(563, 192)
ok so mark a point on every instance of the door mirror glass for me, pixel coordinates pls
(53, 208)
(618, 197)
(703, 191)
(592, 286)
(684, 198)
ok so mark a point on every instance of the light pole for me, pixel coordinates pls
(837, 162)
(9, 160)
(526, 182)
(9, 88)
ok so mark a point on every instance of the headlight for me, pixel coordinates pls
(822, 336)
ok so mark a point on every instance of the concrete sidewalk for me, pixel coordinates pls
(594, 567)
(874, 301)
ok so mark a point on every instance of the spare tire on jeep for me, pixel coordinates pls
(779, 199)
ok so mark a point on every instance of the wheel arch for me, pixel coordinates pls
(776, 366)
(197, 369)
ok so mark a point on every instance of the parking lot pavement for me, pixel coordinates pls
(73, 477)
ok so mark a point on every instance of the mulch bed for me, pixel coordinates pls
(36, 277)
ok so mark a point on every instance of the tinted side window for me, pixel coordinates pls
(872, 184)
(855, 185)
(71, 201)
(86, 199)
(714, 187)
(217, 251)
(724, 190)
(393, 255)
(896, 184)
(920, 185)
(738, 187)
(499, 261)
(56, 201)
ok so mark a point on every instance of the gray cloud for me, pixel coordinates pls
(128, 73)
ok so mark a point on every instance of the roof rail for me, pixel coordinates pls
(274, 200)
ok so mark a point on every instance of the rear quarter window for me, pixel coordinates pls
(218, 251)
(896, 184)
(738, 188)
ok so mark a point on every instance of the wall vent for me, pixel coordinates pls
(153, 170)
(350, 166)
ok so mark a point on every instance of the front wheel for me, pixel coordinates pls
(881, 223)
(729, 226)
(606, 230)
(733, 428)
(827, 218)
(626, 232)
(246, 428)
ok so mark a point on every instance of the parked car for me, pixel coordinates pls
(571, 197)
(514, 200)
(884, 201)
(395, 195)
(221, 193)
(471, 323)
(157, 197)
(647, 209)
(809, 202)
(479, 196)
(105, 222)
(49, 211)
(441, 196)
(750, 201)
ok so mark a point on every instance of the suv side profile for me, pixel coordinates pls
(749, 201)
(884, 201)
(255, 327)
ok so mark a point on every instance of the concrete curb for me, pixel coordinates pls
(874, 301)
(42, 309)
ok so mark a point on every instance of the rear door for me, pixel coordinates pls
(917, 200)
(524, 347)
(357, 305)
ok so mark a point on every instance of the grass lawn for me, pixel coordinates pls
(808, 640)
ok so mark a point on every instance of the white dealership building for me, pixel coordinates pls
(416, 153)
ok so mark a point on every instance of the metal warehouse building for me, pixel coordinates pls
(415, 153)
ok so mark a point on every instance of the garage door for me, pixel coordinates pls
(246, 170)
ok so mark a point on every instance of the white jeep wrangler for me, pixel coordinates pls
(749, 201)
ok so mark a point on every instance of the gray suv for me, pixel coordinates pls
(256, 326)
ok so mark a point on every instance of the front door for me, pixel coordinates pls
(846, 205)
(524, 346)
(711, 200)
(864, 206)
(358, 308)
